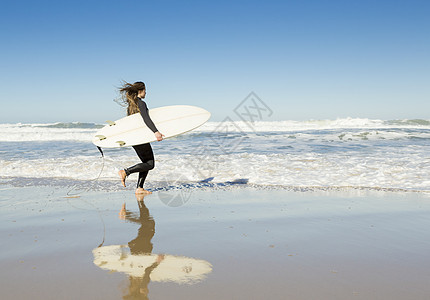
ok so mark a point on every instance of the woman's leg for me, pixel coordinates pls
(141, 179)
(146, 155)
(142, 167)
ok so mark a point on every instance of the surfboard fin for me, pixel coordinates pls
(121, 143)
(111, 123)
(101, 137)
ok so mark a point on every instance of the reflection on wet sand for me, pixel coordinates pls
(140, 264)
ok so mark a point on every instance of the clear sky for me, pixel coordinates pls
(63, 60)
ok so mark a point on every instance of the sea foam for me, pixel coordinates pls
(327, 153)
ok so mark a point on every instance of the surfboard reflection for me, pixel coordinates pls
(142, 266)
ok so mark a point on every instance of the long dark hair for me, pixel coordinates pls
(129, 93)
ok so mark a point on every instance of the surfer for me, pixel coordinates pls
(133, 95)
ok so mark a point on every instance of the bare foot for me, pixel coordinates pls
(142, 191)
(123, 176)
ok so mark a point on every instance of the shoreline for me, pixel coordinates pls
(113, 185)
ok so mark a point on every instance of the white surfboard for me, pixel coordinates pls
(178, 269)
(132, 130)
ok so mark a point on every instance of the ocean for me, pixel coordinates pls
(351, 153)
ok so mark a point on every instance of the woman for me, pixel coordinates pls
(133, 95)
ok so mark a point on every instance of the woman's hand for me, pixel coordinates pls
(159, 136)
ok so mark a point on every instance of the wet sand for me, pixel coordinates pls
(238, 243)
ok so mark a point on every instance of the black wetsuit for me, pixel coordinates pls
(144, 151)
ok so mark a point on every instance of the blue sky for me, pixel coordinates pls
(62, 61)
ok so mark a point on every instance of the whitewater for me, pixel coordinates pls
(342, 153)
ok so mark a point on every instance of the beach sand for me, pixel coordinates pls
(232, 243)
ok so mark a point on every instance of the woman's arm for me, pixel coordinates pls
(144, 113)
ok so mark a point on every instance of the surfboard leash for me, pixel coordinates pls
(101, 151)
(69, 195)
(89, 203)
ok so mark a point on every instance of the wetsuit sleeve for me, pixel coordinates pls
(144, 113)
